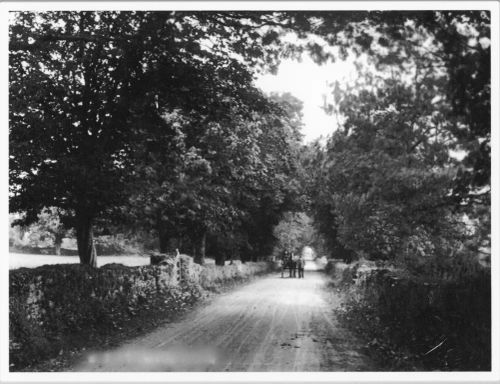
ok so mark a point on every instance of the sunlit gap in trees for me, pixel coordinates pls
(309, 82)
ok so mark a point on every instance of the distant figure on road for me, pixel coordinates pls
(300, 265)
(284, 263)
(293, 266)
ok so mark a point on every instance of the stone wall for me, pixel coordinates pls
(50, 302)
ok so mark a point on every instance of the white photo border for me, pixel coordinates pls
(244, 377)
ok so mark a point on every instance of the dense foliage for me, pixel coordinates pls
(406, 177)
(150, 121)
(151, 109)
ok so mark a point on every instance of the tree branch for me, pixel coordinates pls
(39, 40)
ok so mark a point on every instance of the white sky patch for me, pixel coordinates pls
(309, 82)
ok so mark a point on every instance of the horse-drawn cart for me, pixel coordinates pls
(289, 262)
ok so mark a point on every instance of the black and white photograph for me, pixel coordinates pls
(225, 188)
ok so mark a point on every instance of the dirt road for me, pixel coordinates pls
(270, 324)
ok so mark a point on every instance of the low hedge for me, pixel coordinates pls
(443, 325)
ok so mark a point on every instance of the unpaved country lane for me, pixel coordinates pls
(270, 324)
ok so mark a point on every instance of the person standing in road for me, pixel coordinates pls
(293, 265)
(300, 265)
(284, 262)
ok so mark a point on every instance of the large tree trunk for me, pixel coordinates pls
(163, 234)
(85, 241)
(58, 242)
(220, 258)
(57, 245)
(164, 239)
(199, 257)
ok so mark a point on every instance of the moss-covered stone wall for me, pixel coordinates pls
(50, 303)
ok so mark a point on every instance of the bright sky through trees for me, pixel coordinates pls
(309, 81)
